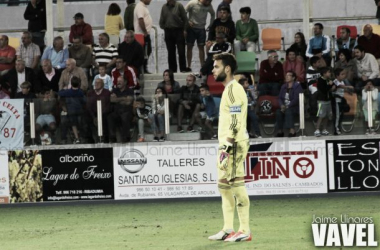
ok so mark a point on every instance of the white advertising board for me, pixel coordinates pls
(286, 167)
(11, 124)
(154, 171)
(4, 177)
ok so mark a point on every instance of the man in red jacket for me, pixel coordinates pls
(271, 75)
(81, 29)
(128, 72)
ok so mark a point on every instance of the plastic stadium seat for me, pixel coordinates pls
(348, 120)
(353, 29)
(140, 39)
(375, 27)
(271, 39)
(216, 88)
(268, 118)
(14, 42)
(246, 62)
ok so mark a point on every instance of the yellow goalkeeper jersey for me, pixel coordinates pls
(233, 113)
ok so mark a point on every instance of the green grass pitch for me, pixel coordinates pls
(281, 223)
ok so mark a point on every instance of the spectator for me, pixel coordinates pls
(128, 72)
(12, 80)
(113, 23)
(82, 54)
(224, 25)
(322, 61)
(157, 117)
(312, 74)
(338, 102)
(370, 42)
(345, 62)
(28, 51)
(122, 112)
(28, 98)
(292, 64)
(252, 119)
(143, 112)
(70, 71)
(128, 15)
(143, 25)
(289, 105)
(35, 13)
(226, 4)
(108, 84)
(74, 100)
(325, 86)
(189, 98)
(169, 84)
(208, 111)
(247, 31)
(369, 88)
(131, 51)
(99, 93)
(57, 54)
(368, 68)
(48, 77)
(319, 41)
(345, 41)
(82, 30)
(173, 21)
(44, 109)
(216, 48)
(271, 75)
(7, 55)
(104, 54)
(299, 46)
(196, 31)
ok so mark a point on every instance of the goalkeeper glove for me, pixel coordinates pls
(224, 155)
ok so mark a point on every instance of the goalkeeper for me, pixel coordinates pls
(233, 148)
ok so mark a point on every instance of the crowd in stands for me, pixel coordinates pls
(65, 82)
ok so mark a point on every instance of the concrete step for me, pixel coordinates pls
(154, 83)
(177, 137)
(177, 76)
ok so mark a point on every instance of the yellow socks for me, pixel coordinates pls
(228, 205)
(242, 200)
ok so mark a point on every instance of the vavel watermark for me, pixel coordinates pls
(344, 230)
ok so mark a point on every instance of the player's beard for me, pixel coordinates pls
(221, 77)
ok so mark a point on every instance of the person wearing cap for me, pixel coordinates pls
(81, 29)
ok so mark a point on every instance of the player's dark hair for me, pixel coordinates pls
(227, 59)
(246, 10)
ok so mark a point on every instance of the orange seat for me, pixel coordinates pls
(216, 88)
(140, 39)
(14, 42)
(353, 29)
(271, 39)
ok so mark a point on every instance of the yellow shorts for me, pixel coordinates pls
(235, 166)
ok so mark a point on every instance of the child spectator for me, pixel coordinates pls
(324, 87)
(374, 94)
(44, 109)
(106, 78)
(142, 114)
(207, 110)
(157, 116)
(338, 102)
(72, 110)
(252, 118)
